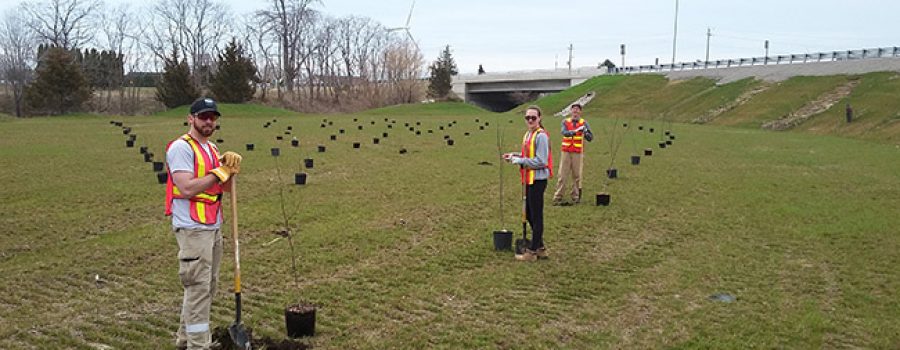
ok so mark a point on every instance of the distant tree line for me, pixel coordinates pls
(59, 56)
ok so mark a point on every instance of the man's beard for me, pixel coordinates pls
(204, 131)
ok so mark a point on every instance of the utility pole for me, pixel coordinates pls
(622, 49)
(570, 58)
(675, 35)
(766, 60)
(708, 35)
(556, 62)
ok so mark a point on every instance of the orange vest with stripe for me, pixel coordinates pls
(529, 151)
(575, 143)
(204, 206)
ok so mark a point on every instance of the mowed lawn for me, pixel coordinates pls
(802, 230)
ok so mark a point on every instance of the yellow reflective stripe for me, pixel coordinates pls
(201, 211)
(201, 163)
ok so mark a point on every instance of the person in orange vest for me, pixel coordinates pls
(574, 131)
(536, 163)
(198, 175)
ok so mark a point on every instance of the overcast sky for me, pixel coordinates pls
(535, 34)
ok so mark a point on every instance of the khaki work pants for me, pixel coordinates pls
(199, 255)
(571, 163)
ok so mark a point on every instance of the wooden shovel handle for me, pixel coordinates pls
(234, 235)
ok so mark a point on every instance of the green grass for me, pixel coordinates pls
(427, 109)
(876, 107)
(780, 100)
(397, 248)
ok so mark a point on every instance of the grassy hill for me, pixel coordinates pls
(396, 248)
(654, 98)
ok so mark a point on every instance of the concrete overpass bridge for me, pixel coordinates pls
(501, 92)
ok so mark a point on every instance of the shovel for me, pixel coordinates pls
(523, 243)
(239, 335)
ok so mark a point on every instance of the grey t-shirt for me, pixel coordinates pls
(180, 158)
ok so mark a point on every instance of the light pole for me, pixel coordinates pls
(766, 60)
(622, 50)
(708, 35)
(675, 35)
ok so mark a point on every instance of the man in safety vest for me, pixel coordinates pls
(197, 177)
(574, 131)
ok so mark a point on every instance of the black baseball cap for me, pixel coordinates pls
(204, 104)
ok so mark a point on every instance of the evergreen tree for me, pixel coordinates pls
(442, 72)
(235, 80)
(60, 85)
(176, 87)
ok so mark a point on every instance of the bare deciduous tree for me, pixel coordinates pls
(65, 23)
(17, 51)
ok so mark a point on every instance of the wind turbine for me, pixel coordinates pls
(406, 27)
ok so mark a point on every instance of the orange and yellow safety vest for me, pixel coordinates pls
(204, 205)
(574, 143)
(529, 151)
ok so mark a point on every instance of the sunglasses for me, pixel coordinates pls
(530, 118)
(207, 116)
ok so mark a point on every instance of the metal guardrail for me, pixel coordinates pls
(831, 56)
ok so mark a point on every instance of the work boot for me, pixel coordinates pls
(557, 202)
(541, 253)
(528, 255)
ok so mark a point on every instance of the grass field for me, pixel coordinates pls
(396, 249)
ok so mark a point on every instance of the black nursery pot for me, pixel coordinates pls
(669, 142)
(279, 138)
(635, 160)
(220, 141)
(290, 127)
(321, 149)
(640, 127)
(143, 149)
(671, 137)
(300, 179)
(603, 199)
(384, 134)
(333, 137)
(612, 173)
(390, 126)
(300, 320)
(322, 125)
(125, 131)
(148, 157)
(129, 143)
(440, 128)
(662, 144)
(356, 145)
(481, 127)
(503, 240)
(295, 143)
(341, 131)
(132, 137)
(373, 122)
(162, 177)
(218, 127)
(446, 137)
(467, 134)
(403, 151)
(418, 132)
(355, 120)
(430, 131)
(668, 132)
(648, 152)
(449, 142)
(250, 146)
(276, 152)
(375, 140)
(158, 166)
(359, 127)
(308, 162)
(651, 130)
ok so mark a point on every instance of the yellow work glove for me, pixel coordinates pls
(231, 159)
(225, 172)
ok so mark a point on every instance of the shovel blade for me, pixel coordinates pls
(239, 336)
(522, 244)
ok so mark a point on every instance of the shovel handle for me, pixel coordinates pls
(234, 235)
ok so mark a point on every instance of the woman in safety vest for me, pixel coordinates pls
(536, 163)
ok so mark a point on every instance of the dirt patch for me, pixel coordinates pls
(221, 337)
(819, 105)
(740, 100)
